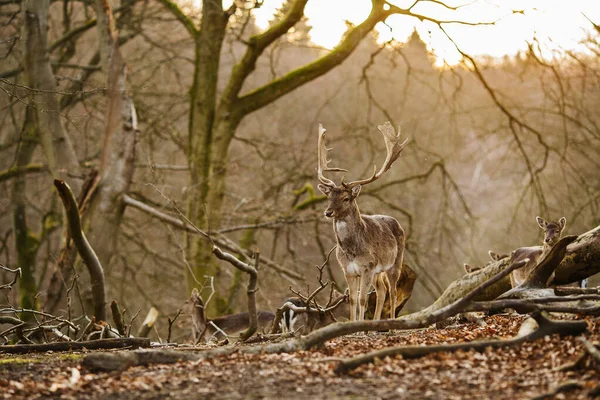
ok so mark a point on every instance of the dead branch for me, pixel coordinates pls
(546, 327)
(121, 361)
(306, 300)
(535, 284)
(171, 321)
(17, 273)
(9, 320)
(548, 264)
(590, 348)
(21, 170)
(83, 247)
(252, 271)
(118, 343)
(117, 317)
(560, 388)
(566, 291)
(10, 310)
(220, 240)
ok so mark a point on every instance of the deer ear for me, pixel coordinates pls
(355, 191)
(468, 268)
(541, 222)
(326, 190)
(493, 255)
(562, 222)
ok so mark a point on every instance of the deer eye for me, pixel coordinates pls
(347, 199)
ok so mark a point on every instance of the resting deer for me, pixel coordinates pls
(204, 329)
(552, 231)
(305, 323)
(368, 246)
(493, 255)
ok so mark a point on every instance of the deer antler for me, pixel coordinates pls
(393, 146)
(323, 161)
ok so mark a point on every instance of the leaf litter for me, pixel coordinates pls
(533, 370)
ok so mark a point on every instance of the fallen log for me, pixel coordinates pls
(100, 344)
(582, 260)
(535, 284)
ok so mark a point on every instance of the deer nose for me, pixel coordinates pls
(328, 213)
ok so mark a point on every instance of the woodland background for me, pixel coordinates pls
(494, 142)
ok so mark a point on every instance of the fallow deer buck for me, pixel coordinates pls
(552, 232)
(369, 247)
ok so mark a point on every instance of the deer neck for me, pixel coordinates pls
(546, 248)
(349, 226)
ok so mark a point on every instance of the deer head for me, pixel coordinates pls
(552, 230)
(341, 198)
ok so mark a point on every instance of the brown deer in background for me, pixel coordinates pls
(304, 323)
(368, 246)
(204, 329)
(307, 322)
(552, 232)
(493, 255)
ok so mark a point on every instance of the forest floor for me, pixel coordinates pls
(530, 371)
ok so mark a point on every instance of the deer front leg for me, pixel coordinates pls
(366, 280)
(352, 282)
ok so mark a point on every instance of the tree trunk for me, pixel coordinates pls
(207, 171)
(59, 151)
(25, 241)
(118, 151)
(46, 122)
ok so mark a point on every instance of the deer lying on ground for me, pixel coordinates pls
(305, 323)
(552, 232)
(368, 246)
(205, 329)
(493, 255)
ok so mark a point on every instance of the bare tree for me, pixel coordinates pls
(214, 117)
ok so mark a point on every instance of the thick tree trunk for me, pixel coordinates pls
(207, 171)
(59, 151)
(118, 151)
(26, 243)
(106, 190)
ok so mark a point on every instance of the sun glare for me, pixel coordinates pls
(555, 24)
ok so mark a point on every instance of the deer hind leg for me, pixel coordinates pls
(381, 290)
(393, 274)
(366, 280)
(352, 282)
